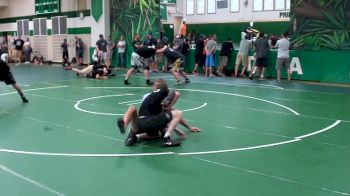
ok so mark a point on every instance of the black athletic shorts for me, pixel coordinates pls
(80, 54)
(151, 125)
(8, 79)
(261, 62)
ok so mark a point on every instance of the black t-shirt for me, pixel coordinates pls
(185, 48)
(136, 43)
(150, 42)
(4, 70)
(102, 45)
(226, 49)
(64, 47)
(146, 52)
(18, 44)
(172, 55)
(199, 47)
(80, 46)
(152, 105)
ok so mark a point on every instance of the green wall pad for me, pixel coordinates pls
(320, 66)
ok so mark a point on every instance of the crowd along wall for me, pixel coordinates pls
(319, 66)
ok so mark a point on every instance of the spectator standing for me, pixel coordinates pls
(283, 59)
(226, 50)
(80, 47)
(65, 55)
(101, 48)
(210, 50)
(192, 37)
(242, 56)
(18, 43)
(121, 51)
(199, 54)
(185, 50)
(178, 41)
(183, 30)
(3, 46)
(27, 50)
(262, 49)
(76, 44)
(110, 49)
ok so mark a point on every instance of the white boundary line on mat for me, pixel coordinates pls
(42, 186)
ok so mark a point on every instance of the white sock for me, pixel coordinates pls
(166, 135)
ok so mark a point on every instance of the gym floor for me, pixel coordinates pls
(258, 138)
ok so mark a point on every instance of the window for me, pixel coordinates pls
(190, 7)
(234, 5)
(200, 7)
(59, 25)
(222, 4)
(258, 5)
(211, 8)
(22, 27)
(269, 5)
(288, 4)
(40, 27)
(47, 6)
(280, 4)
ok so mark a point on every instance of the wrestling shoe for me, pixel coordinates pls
(167, 142)
(131, 139)
(187, 81)
(24, 99)
(126, 82)
(120, 124)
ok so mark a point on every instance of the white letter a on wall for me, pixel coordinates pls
(295, 66)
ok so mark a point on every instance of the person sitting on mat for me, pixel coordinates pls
(151, 118)
(7, 76)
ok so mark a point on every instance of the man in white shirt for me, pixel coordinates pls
(121, 51)
(283, 59)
